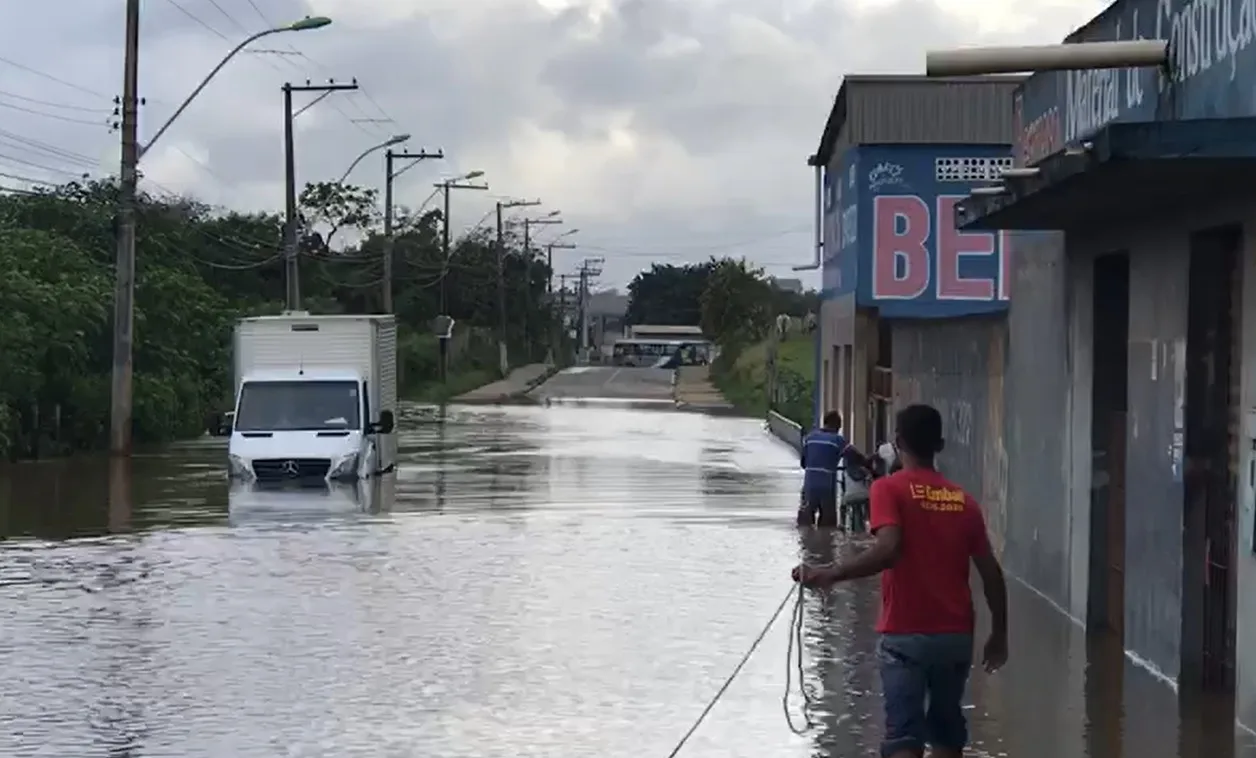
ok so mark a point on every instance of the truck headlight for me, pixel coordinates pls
(346, 468)
(238, 468)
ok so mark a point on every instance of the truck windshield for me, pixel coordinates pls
(298, 406)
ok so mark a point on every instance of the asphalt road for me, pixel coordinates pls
(608, 383)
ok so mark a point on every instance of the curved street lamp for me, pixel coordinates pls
(313, 22)
(395, 139)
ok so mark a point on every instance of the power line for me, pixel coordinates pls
(51, 78)
(68, 119)
(52, 104)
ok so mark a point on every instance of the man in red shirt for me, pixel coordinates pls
(928, 531)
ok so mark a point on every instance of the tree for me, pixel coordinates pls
(668, 295)
(736, 305)
(200, 269)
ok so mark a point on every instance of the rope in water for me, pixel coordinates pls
(793, 659)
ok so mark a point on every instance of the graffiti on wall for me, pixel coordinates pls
(913, 262)
(1212, 63)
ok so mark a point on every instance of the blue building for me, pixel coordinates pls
(1131, 379)
(913, 308)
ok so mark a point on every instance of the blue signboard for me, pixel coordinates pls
(1212, 74)
(839, 267)
(912, 262)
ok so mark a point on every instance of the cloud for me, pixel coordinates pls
(664, 129)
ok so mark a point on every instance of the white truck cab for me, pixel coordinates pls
(314, 399)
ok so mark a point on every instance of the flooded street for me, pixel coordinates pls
(533, 581)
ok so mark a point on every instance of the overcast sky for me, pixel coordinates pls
(665, 130)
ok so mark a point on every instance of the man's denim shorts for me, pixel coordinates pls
(923, 677)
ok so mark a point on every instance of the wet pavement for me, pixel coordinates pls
(608, 384)
(561, 581)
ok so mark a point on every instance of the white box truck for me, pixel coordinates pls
(315, 398)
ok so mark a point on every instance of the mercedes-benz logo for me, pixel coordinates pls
(290, 468)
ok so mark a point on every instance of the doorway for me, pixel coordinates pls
(1210, 461)
(1109, 403)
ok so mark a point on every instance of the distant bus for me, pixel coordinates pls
(656, 352)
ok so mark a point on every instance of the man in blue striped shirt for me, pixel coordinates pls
(823, 450)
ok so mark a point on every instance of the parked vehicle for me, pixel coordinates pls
(314, 398)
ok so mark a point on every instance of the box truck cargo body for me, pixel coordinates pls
(315, 397)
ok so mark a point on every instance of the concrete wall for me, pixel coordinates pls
(1048, 429)
(1246, 547)
(785, 430)
(1048, 419)
(957, 365)
(1047, 522)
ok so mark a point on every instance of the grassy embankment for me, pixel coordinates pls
(472, 364)
(743, 379)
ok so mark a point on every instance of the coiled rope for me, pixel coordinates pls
(793, 664)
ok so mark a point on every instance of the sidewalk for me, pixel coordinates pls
(520, 381)
(693, 391)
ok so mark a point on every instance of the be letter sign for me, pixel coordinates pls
(903, 258)
(913, 262)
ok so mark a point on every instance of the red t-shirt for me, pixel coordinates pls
(927, 591)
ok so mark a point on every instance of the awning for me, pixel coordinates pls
(1131, 171)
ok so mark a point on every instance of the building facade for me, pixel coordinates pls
(912, 308)
(1131, 365)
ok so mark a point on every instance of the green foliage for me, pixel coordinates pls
(668, 295)
(743, 377)
(736, 305)
(673, 295)
(197, 271)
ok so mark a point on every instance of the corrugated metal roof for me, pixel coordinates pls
(899, 108)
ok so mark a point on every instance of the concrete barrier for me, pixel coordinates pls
(787, 431)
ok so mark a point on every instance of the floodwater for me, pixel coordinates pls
(561, 581)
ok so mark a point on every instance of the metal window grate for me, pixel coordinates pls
(971, 169)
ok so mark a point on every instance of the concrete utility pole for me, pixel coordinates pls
(124, 285)
(291, 235)
(528, 223)
(502, 358)
(389, 175)
(555, 334)
(121, 389)
(457, 182)
(589, 268)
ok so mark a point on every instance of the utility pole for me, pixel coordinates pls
(589, 268)
(389, 175)
(124, 292)
(528, 223)
(555, 334)
(562, 307)
(445, 187)
(291, 231)
(502, 357)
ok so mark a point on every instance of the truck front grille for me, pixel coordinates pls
(291, 468)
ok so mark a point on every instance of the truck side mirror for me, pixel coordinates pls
(385, 424)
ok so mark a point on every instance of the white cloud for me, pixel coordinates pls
(667, 129)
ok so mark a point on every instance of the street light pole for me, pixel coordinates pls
(502, 357)
(528, 223)
(292, 274)
(458, 182)
(394, 140)
(556, 319)
(121, 400)
(445, 187)
(389, 176)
